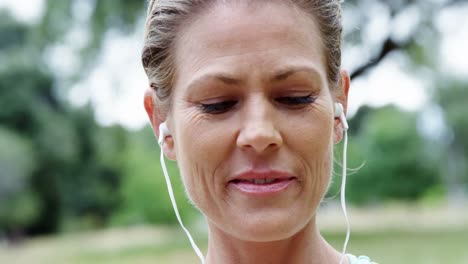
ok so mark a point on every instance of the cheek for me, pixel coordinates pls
(317, 161)
(201, 150)
(195, 168)
(313, 141)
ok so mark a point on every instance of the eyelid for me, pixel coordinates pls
(296, 90)
(295, 94)
(215, 100)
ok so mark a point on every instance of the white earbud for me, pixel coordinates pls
(163, 132)
(339, 113)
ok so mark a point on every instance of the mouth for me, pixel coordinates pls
(262, 183)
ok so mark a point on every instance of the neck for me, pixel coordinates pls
(307, 246)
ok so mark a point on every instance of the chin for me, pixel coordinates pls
(268, 227)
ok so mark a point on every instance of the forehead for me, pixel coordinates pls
(230, 35)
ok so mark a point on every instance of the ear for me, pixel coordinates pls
(341, 97)
(153, 112)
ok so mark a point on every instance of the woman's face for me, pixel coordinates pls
(252, 119)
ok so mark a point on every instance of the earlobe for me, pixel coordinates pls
(166, 141)
(168, 148)
(337, 132)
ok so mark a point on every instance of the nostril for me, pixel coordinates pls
(259, 142)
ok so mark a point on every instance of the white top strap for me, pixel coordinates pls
(359, 260)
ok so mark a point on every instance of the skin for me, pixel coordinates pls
(254, 60)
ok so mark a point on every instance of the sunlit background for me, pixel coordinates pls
(80, 180)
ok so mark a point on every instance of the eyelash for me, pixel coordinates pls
(217, 108)
(294, 102)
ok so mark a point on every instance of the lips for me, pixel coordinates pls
(257, 181)
(264, 183)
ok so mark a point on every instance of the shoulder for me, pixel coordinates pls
(359, 260)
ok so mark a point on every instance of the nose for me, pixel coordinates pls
(259, 132)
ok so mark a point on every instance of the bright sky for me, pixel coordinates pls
(116, 84)
(29, 11)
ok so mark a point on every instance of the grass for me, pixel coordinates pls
(413, 247)
(414, 243)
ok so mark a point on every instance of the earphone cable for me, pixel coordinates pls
(343, 197)
(176, 211)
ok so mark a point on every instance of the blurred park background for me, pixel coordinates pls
(80, 180)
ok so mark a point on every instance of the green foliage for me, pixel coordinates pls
(54, 24)
(144, 192)
(452, 95)
(18, 204)
(397, 166)
(11, 32)
(120, 15)
(56, 162)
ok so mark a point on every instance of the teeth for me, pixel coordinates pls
(259, 181)
(262, 181)
(269, 180)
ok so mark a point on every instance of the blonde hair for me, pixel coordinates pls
(166, 17)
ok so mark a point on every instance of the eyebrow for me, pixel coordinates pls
(277, 76)
(221, 77)
(282, 75)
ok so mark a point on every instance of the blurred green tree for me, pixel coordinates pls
(56, 162)
(452, 96)
(397, 165)
(19, 205)
(144, 193)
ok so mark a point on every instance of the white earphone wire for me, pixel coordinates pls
(174, 205)
(343, 194)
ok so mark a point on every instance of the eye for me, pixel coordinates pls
(296, 101)
(218, 108)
